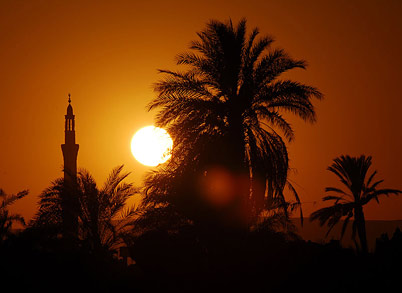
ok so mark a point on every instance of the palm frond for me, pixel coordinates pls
(345, 223)
(274, 64)
(332, 197)
(258, 48)
(371, 178)
(376, 193)
(337, 190)
(297, 198)
(332, 214)
(10, 199)
(289, 96)
(275, 119)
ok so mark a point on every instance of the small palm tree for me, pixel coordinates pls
(102, 212)
(226, 109)
(349, 203)
(7, 219)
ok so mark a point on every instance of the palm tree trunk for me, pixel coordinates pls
(361, 229)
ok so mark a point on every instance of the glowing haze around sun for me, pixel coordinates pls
(151, 146)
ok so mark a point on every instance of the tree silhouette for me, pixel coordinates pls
(7, 219)
(101, 212)
(352, 172)
(225, 114)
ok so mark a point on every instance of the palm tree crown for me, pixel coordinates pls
(102, 212)
(360, 190)
(6, 218)
(227, 107)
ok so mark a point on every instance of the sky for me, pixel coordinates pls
(106, 54)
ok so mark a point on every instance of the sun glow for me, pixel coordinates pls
(151, 146)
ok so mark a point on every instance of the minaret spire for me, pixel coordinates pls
(70, 153)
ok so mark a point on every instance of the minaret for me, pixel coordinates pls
(70, 152)
(69, 148)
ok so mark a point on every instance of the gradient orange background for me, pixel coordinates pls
(106, 54)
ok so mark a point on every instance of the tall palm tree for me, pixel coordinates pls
(349, 203)
(7, 219)
(226, 109)
(102, 212)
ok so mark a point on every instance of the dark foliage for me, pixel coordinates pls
(6, 218)
(256, 261)
(225, 114)
(352, 172)
(101, 212)
(214, 261)
(30, 261)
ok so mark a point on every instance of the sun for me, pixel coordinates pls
(151, 146)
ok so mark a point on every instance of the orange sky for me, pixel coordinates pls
(106, 54)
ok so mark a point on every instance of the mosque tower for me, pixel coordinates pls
(70, 152)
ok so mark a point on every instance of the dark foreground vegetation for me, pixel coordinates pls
(187, 261)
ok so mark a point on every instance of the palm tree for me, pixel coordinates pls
(7, 219)
(349, 203)
(101, 212)
(226, 110)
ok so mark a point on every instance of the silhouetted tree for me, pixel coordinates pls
(49, 215)
(101, 212)
(7, 219)
(352, 172)
(223, 113)
(391, 247)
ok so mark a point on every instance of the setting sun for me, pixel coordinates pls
(151, 146)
